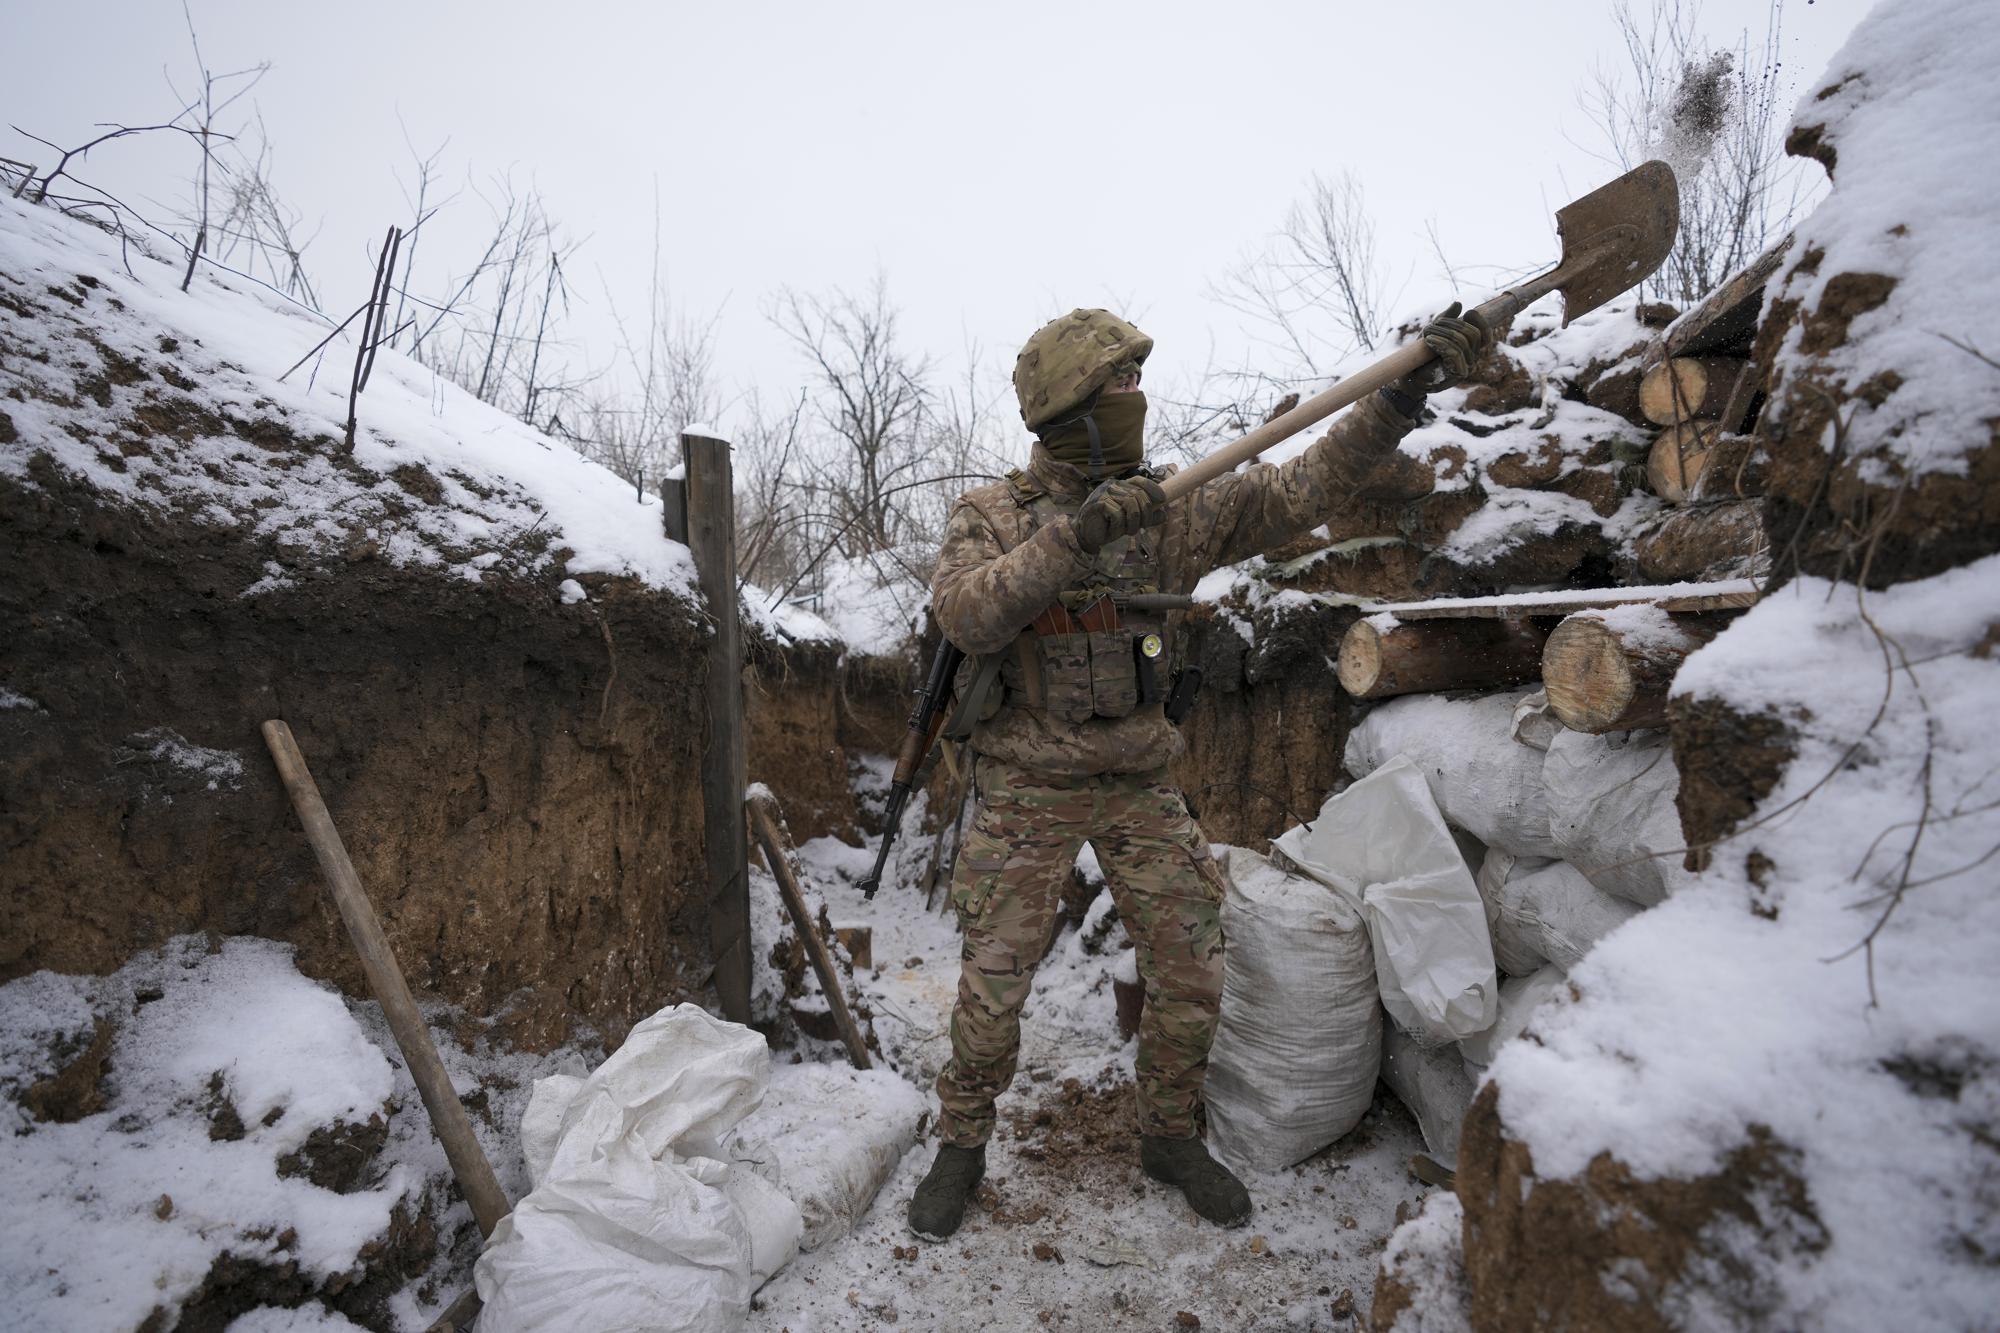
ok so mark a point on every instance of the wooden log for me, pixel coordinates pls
(1734, 470)
(1678, 456)
(1726, 319)
(711, 530)
(385, 982)
(777, 854)
(1381, 657)
(1611, 670)
(461, 1316)
(1721, 540)
(1688, 388)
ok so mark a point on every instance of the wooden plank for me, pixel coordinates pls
(385, 981)
(1730, 595)
(711, 528)
(1726, 319)
(778, 855)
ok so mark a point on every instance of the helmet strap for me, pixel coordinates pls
(1096, 445)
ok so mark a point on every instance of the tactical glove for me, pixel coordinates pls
(1457, 343)
(1116, 509)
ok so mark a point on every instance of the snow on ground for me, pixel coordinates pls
(1121, 1250)
(116, 365)
(228, 1074)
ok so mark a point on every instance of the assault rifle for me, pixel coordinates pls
(926, 721)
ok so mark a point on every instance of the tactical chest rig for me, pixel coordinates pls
(1100, 650)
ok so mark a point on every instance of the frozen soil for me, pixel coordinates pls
(1065, 1232)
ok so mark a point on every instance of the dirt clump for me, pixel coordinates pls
(1537, 1251)
(1079, 1133)
(76, 1089)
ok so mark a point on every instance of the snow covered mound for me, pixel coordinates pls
(173, 401)
(1884, 421)
(215, 1106)
(1775, 1099)
(1537, 463)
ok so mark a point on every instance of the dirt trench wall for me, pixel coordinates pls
(1265, 739)
(528, 823)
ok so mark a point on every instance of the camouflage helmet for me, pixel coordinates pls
(1069, 359)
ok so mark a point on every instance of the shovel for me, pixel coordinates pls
(1612, 238)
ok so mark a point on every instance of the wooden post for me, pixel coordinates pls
(777, 854)
(674, 508)
(711, 534)
(385, 981)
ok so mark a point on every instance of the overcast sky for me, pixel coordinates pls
(1000, 164)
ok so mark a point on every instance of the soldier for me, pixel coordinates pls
(1073, 746)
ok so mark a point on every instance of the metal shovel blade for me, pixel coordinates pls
(1615, 236)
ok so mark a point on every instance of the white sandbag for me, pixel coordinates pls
(1612, 814)
(834, 1135)
(1542, 911)
(1520, 997)
(1384, 845)
(1432, 1082)
(1296, 1053)
(1535, 724)
(638, 1220)
(1484, 780)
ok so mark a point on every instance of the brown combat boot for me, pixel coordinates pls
(1209, 1187)
(938, 1206)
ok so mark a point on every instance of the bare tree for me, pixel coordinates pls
(873, 399)
(1716, 114)
(1316, 286)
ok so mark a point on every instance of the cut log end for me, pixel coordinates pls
(1688, 388)
(1613, 673)
(1677, 459)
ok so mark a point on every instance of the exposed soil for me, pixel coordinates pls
(526, 820)
(1538, 1252)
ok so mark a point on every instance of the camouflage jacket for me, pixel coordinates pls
(1000, 566)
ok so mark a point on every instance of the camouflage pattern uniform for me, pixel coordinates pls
(1054, 773)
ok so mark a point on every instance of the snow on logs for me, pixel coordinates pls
(1382, 656)
(1610, 670)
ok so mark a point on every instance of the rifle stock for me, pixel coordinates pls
(926, 721)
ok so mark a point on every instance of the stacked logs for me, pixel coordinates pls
(1702, 389)
(1604, 668)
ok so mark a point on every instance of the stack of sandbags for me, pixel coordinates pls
(1579, 834)
(1611, 811)
(1295, 1055)
(1540, 912)
(1482, 779)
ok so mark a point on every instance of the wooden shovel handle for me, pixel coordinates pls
(385, 981)
(1351, 390)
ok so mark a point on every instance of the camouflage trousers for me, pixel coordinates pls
(1008, 887)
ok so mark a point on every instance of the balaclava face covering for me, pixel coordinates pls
(1121, 436)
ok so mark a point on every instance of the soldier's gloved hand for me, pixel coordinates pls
(1116, 509)
(1456, 342)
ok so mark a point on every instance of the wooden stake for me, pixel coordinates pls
(777, 854)
(711, 532)
(1421, 656)
(1612, 675)
(385, 982)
